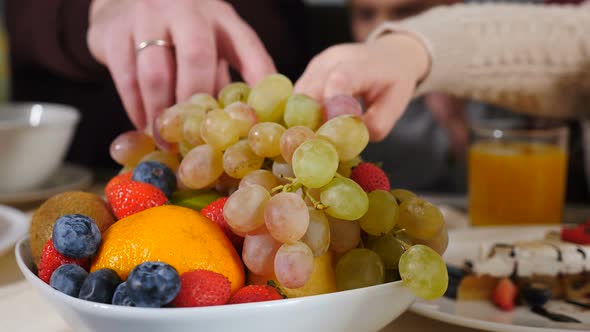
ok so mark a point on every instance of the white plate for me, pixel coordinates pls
(13, 226)
(464, 244)
(68, 177)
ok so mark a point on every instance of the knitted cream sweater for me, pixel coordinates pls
(525, 57)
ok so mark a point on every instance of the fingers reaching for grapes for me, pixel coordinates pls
(160, 54)
(384, 73)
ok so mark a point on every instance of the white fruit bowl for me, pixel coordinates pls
(34, 139)
(360, 310)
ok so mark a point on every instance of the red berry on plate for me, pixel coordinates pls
(579, 234)
(214, 211)
(51, 259)
(370, 177)
(504, 295)
(256, 293)
(201, 288)
(129, 197)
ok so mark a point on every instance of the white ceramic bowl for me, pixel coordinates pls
(33, 141)
(361, 310)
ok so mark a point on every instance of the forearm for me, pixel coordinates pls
(51, 34)
(534, 59)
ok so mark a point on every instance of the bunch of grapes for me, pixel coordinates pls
(285, 161)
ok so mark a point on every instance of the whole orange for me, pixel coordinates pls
(172, 234)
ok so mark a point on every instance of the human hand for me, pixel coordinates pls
(383, 72)
(207, 36)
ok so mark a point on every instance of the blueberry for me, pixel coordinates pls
(536, 294)
(455, 277)
(68, 279)
(156, 174)
(121, 296)
(153, 284)
(99, 286)
(76, 236)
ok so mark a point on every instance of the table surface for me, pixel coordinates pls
(19, 302)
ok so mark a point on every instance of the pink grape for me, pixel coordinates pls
(201, 167)
(286, 217)
(161, 143)
(341, 105)
(259, 253)
(293, 264)
(317, 236)
(344, 235)
(129, 147)
(226, 185)
(244, 210)
(292, 139)
(260, 177)
(244, 116)
(282, 170)
(265, 139)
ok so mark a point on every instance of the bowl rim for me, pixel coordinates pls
(73, 115)
(137, 312)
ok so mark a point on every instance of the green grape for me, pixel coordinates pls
(315, 163)
(185, 147)
(389, 248)
(344, 235)
(392, 275)
(420, 219)
(345, 199)
(292, 139)
(244, 116)
(424, 272)
(167, 158)
(317, 236)
(201, 167)
(382, 214)
(239, 160)
(204, 101)
(233, 92)
(129, 147)
(439, 242)
(302, 110)
(191, 128)
(345, 167)
(269, 97)
(359, 268)
(219, 130)
(402, 195)
(348, 133)
(171, 121)
(265, 139)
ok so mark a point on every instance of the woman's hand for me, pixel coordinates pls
(384, 72)
(204, 36)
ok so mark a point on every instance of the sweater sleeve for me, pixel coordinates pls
(51, 34)
(529, 58)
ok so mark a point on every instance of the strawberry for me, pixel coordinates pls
(579, 234)
(129, 197)
(116, 180)
(370, 177)
(504, 295)
(256, 293)
(214, 211)
(201, 288)
(51, 259)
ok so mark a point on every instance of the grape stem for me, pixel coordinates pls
(277, 188)
(316, 204)
(404, 244)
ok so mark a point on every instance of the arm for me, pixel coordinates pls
(529, 58)
(52, 34)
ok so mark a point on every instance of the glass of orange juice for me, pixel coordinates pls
(517, 176)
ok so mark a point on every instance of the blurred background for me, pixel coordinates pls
(425, 151)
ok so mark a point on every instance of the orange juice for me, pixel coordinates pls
(516, 183)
